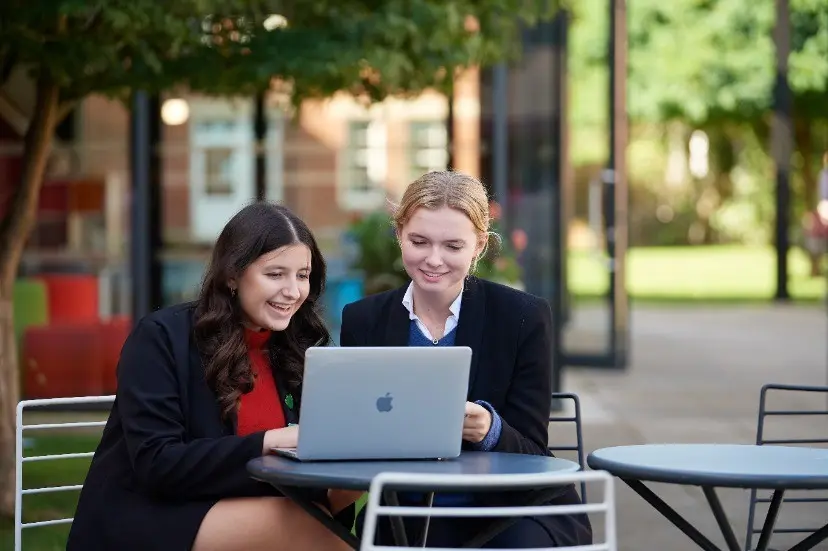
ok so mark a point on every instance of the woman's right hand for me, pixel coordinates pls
(287, 437)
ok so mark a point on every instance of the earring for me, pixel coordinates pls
(232, 291)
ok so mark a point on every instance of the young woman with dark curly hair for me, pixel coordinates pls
(204, 387)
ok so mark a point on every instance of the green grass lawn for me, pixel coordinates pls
(51, 505)
(702, 273)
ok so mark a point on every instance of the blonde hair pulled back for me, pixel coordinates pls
(448, 188)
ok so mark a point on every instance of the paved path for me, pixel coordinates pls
(695, 376)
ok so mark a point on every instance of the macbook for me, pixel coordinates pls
(382, 403)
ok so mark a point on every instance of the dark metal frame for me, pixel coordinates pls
(615, 205)
(721, 519)
(145, 135)
(777, 498)
(579, 437)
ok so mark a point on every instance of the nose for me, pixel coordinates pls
(434, 259)
(291, 290)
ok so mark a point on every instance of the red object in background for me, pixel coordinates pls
(114, 332)
(63, 360)
(72, 298)
(54, 198)
(11, 165)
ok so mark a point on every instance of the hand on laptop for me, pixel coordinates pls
(287, 437)
(477, 422)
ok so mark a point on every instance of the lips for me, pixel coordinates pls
(281, 308)
(433, 276)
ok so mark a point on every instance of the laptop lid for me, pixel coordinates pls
(383, 402)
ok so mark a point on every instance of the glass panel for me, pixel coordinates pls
(587, 329)
(220, 171)
(427, 147)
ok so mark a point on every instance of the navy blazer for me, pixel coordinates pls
(510, 334)
(166, 456)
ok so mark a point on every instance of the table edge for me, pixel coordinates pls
(305, 481)
(689, 478)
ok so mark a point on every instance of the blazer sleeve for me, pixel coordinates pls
(154, 428)
(349, 332)
(525, 414)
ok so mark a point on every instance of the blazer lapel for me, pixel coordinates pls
(470, 326)
(397, 328)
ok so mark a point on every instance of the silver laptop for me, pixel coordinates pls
(382, 403)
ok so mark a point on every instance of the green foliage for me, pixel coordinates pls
(706, 65)
(499, 262)
(378, 255)
(369, 47)
(702, 61)
(747, 215)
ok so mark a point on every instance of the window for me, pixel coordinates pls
(428, 147)
(222, 175)
(365, 166)
(221, 162)
(222, 167)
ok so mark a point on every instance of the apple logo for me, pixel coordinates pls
(384, 402)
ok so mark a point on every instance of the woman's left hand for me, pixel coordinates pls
(477, 423)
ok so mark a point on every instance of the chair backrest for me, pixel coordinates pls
(20, 459)
(566, 417)
(801, 410)
(438, 482)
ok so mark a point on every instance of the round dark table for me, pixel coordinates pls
(722, 465)
(357, 475)
(287, 474)
(709, 466)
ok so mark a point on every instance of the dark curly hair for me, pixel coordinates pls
(257, 229)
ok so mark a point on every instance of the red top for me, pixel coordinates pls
(261, 408)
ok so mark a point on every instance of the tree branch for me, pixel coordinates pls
(93, 20)
(64, 108)
(18, 222)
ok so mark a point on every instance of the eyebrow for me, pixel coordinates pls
(270, 267)
(417, 235)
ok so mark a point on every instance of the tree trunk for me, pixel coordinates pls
(805, 145)
(14, 230)
(9, 392)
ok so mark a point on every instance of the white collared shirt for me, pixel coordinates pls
(451, 322)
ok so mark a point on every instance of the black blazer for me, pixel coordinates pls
(510, 334)
(166, 456)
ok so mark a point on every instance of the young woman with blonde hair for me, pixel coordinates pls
(443, 227)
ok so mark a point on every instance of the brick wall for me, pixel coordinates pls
(311, 151)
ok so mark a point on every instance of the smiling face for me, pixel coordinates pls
(438, 249)
(271, 290)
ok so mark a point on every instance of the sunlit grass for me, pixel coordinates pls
(703, 273)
